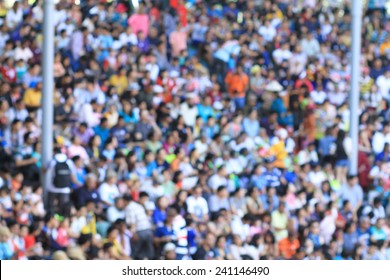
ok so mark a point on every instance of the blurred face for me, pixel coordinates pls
(164, 203)
(120, 203)
(210, 240)
(91, 183)
(221, 242)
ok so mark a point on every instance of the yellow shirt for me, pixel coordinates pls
(3, 12)
(280, 221)
(32, 98)
(120, 82)
(384, 47)
(279, 151)
(90, 227)
(116, 247)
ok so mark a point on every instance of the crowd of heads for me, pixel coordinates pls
(195, 130)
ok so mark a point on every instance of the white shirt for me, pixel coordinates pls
(108, 193)
(318, 96)
(197, 206)
(114, 214)
(268, 33)
(215, 181)
(310, 47)
(189, 114)
(316, 178)
(23, 54)
(279, 55)
(383, 84)
(14, 18)
(154, 71)
(128, 39)
(378, 142)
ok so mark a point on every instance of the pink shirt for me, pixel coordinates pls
(78, 151)
(178, 41)
(139, 23)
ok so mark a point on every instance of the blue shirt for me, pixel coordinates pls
(159, 217)
(273, 177)
(104, 133)
(205, 112)
(5, 251)
(325, 144)
(164, 231)
(251, 128)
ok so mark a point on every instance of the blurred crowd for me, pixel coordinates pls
(195, 130)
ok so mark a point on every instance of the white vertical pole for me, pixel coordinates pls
(48, 88)
(355, 77)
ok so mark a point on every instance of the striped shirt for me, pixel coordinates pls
(136, 215)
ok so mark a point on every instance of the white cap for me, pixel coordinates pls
(158, 89)
(169, 247)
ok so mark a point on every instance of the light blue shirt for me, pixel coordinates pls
(251, 128)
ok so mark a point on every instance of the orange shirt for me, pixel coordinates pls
(288, 248)
(236, 83)
(175, 165)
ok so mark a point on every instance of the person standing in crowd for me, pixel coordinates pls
(141, 228)
(63, 174)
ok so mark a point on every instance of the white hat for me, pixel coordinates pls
(169, 247)
(191, 95)
(274, 86)
(174, 74)
(158, 89)
(134, 86)
(282, 133)
(218, 105)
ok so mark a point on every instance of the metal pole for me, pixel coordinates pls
(355, 77)
(47, 98)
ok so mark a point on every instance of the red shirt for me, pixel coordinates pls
(182, 12)
(174, 3)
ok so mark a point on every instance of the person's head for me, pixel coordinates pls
(169, 251)
(314, 227)
(380, 223)
(91, 181)
(111, 177)
(282, 207)
(221, 242)
(253, 192)
(222, 191)
(182, 196)
(120, 203)
(143, 198)
(210, 240)
(77, 160)
(112, 233)
(197, 191)
(352, 179)
(364, 223)
(292, 235)
(162, 203)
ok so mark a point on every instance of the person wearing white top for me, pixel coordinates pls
(116, 211)
(310, 46)
(218, 179)
(153, 68)
(267, 31)
(14, 16)
(109, 191)
(383, 83)
(282, 54)
(197, 206)
(128, 37)
(189, 111)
